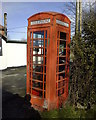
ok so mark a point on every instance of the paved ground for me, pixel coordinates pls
(14, 80)
(15, 103)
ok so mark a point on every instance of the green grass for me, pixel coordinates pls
(69, 112)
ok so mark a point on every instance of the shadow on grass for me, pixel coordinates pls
(14, 106)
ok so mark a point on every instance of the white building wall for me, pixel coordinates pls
(16, 54)
(3, 58)
(13, 55)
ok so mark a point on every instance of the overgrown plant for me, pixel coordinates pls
(83, 81)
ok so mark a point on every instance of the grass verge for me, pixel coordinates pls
(69, 112)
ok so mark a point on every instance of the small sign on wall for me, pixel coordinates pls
(0, 46)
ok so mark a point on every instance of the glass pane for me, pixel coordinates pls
(62, 60)
(38, 76)
(38, 34)
(40, 51)
(37, 68)
(62, 44)
(62, 51)
(38, 43)
(37, 84)
(61, 76)
(39, 62)
(62, 35)
(61, 68)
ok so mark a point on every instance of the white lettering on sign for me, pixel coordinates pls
(62, 23)
(40, 21)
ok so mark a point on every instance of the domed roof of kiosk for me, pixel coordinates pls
(50, 13)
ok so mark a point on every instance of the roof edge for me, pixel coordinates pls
(50, 13)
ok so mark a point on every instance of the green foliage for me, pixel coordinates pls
(69, 112)
(83, 81)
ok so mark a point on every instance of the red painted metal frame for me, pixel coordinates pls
(52, 99)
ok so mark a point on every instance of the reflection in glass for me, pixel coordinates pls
(39, 62)
(61, 59)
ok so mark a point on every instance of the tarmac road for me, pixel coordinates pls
(15, 104)
(14, 80)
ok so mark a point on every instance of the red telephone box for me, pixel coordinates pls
(48, 52)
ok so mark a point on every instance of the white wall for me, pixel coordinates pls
(3, 58)
(16, 54)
